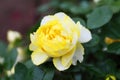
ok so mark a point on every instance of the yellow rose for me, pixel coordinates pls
(60, 38)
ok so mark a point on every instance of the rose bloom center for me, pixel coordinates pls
(54, 39)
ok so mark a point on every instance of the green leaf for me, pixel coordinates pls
(112, 29)
(108, 66)
(93, 69)
(114, 48)
(49, 74)
(20, 72)
(3, 49)
(118, 74)
(38, 74)
(29, 64)
(78, 77)
(11, 58)
(115, 6)
(34, 72)
(106, 2)
(99, 17)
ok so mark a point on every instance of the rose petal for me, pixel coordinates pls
(85, 34)
(68, 57)
(67, 23)
(78, 54)
(60, 15)
(38, 57)
(47, 19)
(75, 39)
(58, 64)
(33, 37)
(32, 47)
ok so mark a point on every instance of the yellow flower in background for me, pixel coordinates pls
(110, 77)
(109, 40)
(60, 38)
(12, 36)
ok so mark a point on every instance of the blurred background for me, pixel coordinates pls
(19, 15)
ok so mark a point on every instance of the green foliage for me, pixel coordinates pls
(49, 75)
(10, 58)
(33, 72)
(38, 74)
(3, 48)
(99, 17)
(112, 29)
(114, 48)
(8, 55)
(20, 71)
